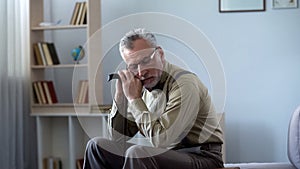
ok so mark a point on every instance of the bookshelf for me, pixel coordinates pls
(64, 127)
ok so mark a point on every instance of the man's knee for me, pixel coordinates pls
(95, 143)
(140, 151)
(105, 146)
(136, 151)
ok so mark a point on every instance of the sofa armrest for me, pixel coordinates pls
(294, 139)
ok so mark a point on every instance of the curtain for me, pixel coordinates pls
(17, 127)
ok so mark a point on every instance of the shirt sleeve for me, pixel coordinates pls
(175, 121)
(120, 127)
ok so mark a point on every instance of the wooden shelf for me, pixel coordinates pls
(58, 66)
(58, 27)
(70, 114)
(59, 109)
(63, 129)
(66, 109)
(60, 105)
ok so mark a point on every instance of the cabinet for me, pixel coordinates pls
(63, 128)
(66, 136)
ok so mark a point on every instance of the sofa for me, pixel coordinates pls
(293, 145)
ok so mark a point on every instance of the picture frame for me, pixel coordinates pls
(281, 4)
(242, 5)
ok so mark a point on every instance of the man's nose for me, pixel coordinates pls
(141, 70)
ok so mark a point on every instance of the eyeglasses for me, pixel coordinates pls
(144, 62)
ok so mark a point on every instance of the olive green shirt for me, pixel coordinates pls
(176, 113)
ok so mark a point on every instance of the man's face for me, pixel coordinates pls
(145, 62)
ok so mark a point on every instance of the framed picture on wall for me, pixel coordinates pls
(285, 4)
(241, 5)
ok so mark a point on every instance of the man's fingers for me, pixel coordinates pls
(122, 75)
(129, 75)
(125, 75)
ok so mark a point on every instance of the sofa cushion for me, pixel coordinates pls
(294, 139)
(261, 165)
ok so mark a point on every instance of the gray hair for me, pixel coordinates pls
(140, 33)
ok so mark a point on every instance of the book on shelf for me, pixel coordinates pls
(52, 92)
(78, 92)
(47, 92)
(82, 92)
(79, 14)
(37, 55)
(84, 14)
(41, 51)
(52, 163)
(75, 13)
(79, 163)
(37, 95)
(44, 92)
(45, 53)
(80, 10)
(53, 53)
(85, 94)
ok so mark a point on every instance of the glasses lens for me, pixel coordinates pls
(147, 57)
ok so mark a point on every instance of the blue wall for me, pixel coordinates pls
(260, 54)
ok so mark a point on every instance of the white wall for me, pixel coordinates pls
(260, 55)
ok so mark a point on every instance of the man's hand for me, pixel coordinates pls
(130, 86)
